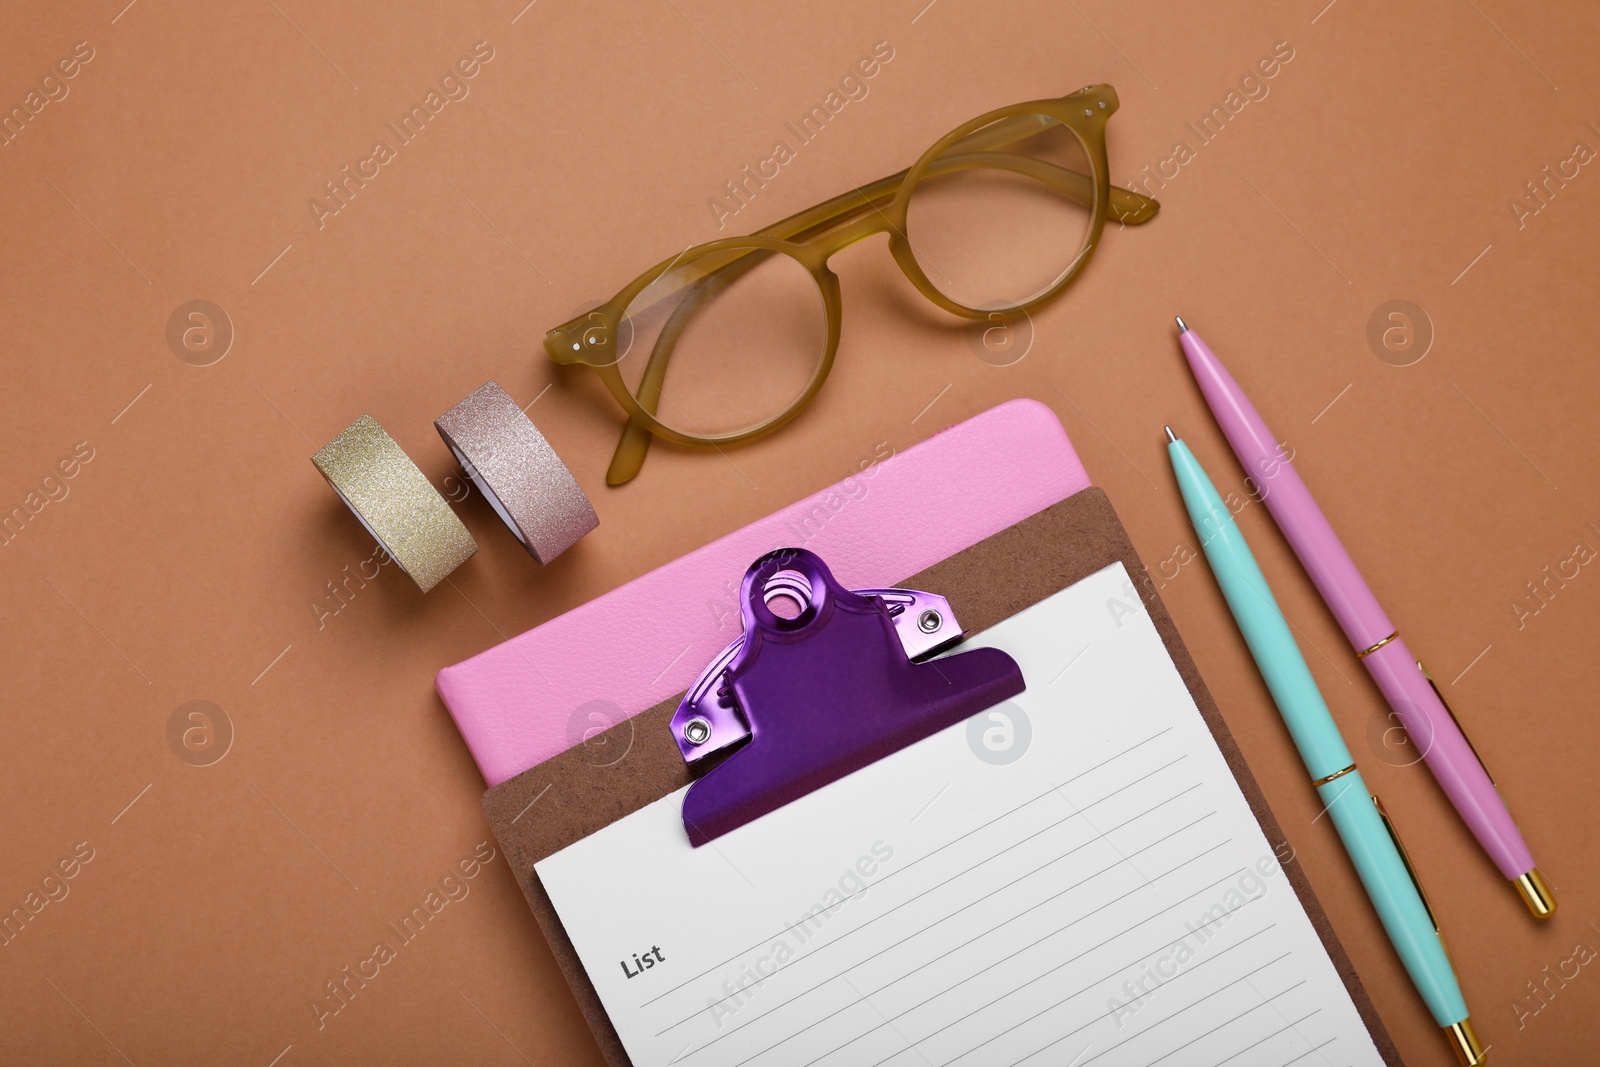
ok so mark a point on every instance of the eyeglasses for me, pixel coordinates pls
(995, 219)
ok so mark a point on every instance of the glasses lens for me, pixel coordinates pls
(1003, 214)
(725, 342)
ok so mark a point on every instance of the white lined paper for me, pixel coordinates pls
(1107, 898)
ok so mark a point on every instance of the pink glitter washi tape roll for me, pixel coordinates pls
(518, 472)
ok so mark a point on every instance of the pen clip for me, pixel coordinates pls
(1453, 718)
(1405, 859)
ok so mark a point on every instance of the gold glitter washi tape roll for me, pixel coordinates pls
(518, 472)
(395, 502)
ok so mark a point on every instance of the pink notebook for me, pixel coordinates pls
(542, 692)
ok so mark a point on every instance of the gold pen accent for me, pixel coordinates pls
(1453, 718)
(1335, 775)
(1464, 1040)
(1405, 858)
(1365, 652)
(1536, 894)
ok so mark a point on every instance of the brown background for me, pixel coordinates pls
(186, 560)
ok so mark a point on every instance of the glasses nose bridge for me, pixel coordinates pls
(837, 238)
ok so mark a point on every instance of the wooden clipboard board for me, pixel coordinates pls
(582, 790)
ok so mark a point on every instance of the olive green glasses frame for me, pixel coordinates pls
(602, 337)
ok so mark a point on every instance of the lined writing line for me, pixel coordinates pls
(1018, 952)
(913, 863)
(1242, 978)
(986, 896)
(1003, 996)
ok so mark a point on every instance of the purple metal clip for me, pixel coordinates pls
(707, 721)
(824, 693)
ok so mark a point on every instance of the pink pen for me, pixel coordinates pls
(1404, 682)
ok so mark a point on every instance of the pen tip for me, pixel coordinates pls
(1536, 894)
(1183, 327)
(1469, 1050)
(1170, 435)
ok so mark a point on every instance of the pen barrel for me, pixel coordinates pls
(1323, 555)
(1430, 726)
(1394, 895)
(1279, 486)
(1266, 631)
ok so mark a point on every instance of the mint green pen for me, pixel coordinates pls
(1367, 834)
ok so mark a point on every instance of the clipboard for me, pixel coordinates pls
(637, 762)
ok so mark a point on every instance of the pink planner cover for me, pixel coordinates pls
(541, 692)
